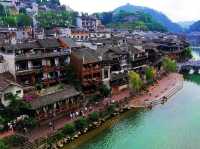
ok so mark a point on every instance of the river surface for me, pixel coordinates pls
(174, 125)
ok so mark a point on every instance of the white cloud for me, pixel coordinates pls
(177, 10)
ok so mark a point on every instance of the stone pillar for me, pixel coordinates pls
(102, 71)
(44, 62)
(45, 75)
(30, 65)
(56, 61)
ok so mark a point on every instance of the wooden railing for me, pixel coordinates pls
(40, 55)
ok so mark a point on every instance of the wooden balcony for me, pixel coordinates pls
(28, 71)
(32, 56)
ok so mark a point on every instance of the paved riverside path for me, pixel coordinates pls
(6, 134)
(44, 130)
(158, 90)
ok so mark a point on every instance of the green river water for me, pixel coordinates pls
(175, 125)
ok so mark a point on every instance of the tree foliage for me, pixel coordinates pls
(187, 53)
(71, 77)
(2, 123)
(135, 81)
(94, 116)
(111, 108)
(16, 106)
(131, 21)
(50, 19)
(81, 123)
(69, 129)
(104, 90)
(3, 145)
(15, 141)
(2, 10)
(29, 123)
(19, 20)
(169, 65)
(150, 74)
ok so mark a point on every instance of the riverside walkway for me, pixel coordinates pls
(164, 89)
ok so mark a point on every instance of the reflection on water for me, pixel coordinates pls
(195, 78)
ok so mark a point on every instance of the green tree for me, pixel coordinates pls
(28, 123)
(59, 135)
(93, 116)
(95, 98)
(39, 87)
(22, 11)
(104, 90)
(2, 123)
(57, 2)
(51, 19)
(2, 10)
(16, 105)
(135, 81)
(169, 65)
(150, 74)
(187, 53)
(24, 20)
(16, 141)
(81, 123)
(69, 129)
(111, 108)
(11, 21)
(44, 2)
(71, 77)
(3, 145)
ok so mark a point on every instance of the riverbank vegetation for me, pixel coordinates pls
(135, 81)
(150, 74)
(3, 145)
(169, 65)
(82, 125)
(12, 142)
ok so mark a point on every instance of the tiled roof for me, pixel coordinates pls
(49, 43)
(62, 95)
(70, 42)
(25, 45)
(87, 55)
(6, 79)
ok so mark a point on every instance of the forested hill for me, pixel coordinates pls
(130, 20)
(157, 16)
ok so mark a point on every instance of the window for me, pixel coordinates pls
(105, 74)
(8, 96)
(18, 92)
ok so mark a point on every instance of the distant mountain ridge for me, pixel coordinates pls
(186, 24)
(195, 27)
(157, 16)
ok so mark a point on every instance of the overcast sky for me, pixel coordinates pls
(177, 10)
